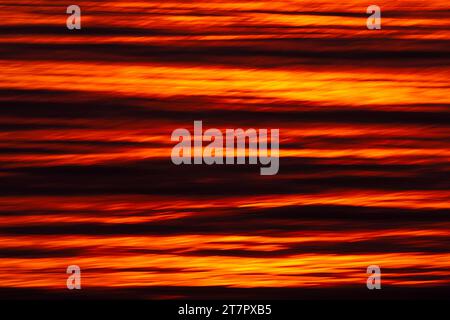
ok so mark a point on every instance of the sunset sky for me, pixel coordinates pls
(86, 176)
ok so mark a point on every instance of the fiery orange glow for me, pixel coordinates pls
(85, 171)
